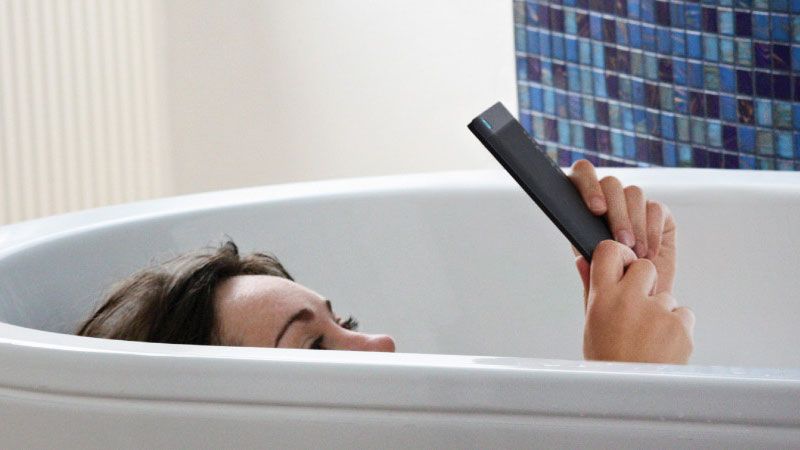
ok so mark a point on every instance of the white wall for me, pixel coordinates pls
(262, 92)
(81, 105)
(109, 101)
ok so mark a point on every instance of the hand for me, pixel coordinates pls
(644, 225)
(625, 319)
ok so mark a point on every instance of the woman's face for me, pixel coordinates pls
(268, 311)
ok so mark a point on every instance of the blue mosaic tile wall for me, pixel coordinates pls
(703, 83)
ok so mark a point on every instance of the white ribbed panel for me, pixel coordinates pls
(80, 105)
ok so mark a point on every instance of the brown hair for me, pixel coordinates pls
(174, 302)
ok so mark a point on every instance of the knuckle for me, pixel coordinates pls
(610, 182)
(634, 191)
(656, 207)
(669, 299)
(676, 327)
(644, 265)
(581, 165)
(606, 248)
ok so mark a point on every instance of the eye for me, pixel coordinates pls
(348, 324)
(317, 344)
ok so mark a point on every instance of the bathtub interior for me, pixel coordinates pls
(447, 263)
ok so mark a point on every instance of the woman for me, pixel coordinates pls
(216, 297)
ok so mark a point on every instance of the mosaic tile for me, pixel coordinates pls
(744, 82)
(693, 16)
(747, 139)
(710, 48)
(743, 25)
(649, 39)
(698, 131)
(557, 47)
(620, 118)
(710, 20)
(677, 14)
(695, 75)
(714, 134)
(668, 126)
(727, 52)
(729, 141)
(589, 110)
(727, 79)
(549, 101)
(730, 161)
(744, 53)
(779, 5)
(712, 105)
(563, 132)
(782, 115)
(747, 162)
(781, 57)
(622, 33)
(650, 67)
(745, 111)
(682, 128)
(727, 106)
(784, 144)
(666, 96)
(795, 123)
(703, 83)
(761, 26)
(763, 112)
(781, 87)
(781, 28)
(763, 84)
(795, 28)
(694, 45)
(762, 55)
(764, 142)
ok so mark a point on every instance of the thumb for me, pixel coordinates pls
(583, 270)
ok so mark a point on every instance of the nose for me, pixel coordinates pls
(380, 343)
(363, 342)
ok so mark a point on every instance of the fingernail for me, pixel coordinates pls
(626, 237)
(639, 249)
(598, 204)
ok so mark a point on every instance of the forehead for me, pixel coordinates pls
(252, 308)
(262, 290)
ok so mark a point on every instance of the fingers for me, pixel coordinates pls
(583, 270)
(666, 301)
(687, 317)
(656, 218)
(637, 214)
(633, 220)
(617, 211)
(608, 264)
(584, 178)
(641, 277)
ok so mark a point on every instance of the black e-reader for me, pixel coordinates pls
(540, 177)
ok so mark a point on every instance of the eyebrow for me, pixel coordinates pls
(304, 314)
(328, 304)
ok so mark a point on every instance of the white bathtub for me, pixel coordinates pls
(450, 264)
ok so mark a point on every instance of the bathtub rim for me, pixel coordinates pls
(15, 236)
(120, 370)
(44, 352)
